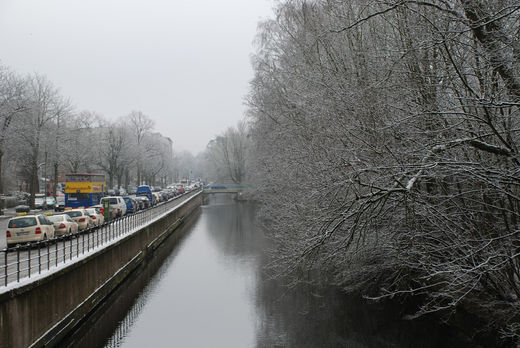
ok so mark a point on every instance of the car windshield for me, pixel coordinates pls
(73, 213)
(55, 218)
(22, 222)
(39, 199)
(113, 201)
(91, 211)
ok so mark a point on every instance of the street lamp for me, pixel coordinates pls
(44, 179)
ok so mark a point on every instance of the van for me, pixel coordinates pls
(117, 205)
(145, 190)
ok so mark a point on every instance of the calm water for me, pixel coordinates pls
(206, 288)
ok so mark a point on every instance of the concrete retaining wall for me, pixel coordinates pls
(43, 312)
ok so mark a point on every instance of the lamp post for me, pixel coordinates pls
(45, 181)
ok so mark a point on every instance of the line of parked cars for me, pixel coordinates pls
(31, 228)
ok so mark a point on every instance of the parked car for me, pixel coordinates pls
(131, 205)
(28, 228)
(39, 201)
(60, 202)
(50, 201)
(22, 208)
(63, 224)
(116, 204)
(21, 197)
(156, 197)
(99, 208)
(96, 216)
(146, 191)
(144, 202)
(81, 217)
(140, 203)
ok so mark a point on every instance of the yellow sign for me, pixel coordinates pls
(84, 187)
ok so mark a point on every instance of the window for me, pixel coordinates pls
(78, 196)
(22, 222)
(73, 213)
(56, 218)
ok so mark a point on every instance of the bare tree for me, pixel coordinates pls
(228, 153)
(391, 129)
(140, 126)
(13, 103)
(43, 108)
(111, 150)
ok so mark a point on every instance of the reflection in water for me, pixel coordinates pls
(208, 289)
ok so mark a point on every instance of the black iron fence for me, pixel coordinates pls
(30, 260)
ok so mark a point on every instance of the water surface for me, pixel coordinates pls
(206, 287)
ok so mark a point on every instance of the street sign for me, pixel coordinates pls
(106, 207)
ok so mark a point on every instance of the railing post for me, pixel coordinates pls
(64, 250)
(57, 253)
(18, 263)
(39, 258)
(5, 266)
(48, 255)
(29, 261)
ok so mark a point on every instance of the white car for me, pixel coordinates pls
(116, 204)
(96, 217)
(28, 228)
(81, 217)
(63, 224)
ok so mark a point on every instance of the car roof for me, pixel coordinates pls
(24, 216)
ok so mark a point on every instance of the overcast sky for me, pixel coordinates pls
(184, 63)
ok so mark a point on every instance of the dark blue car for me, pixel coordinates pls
(131, 206)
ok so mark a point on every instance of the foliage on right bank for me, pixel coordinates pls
(385, 149)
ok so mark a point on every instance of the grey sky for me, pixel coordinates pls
(184, 63)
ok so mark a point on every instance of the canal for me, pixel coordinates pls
(206, 287)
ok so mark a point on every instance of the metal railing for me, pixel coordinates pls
(32, 259)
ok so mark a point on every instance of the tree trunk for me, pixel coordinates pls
(55, 186)
(1, 181)
(138, 174)
(127, 179)
(119, 180)
(33, 185)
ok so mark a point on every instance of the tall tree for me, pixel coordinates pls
(391, 128)
(43, 107)
(140, 125)
(13, 102)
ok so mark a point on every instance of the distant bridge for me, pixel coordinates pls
(223, 188)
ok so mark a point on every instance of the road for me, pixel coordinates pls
(29, 261)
